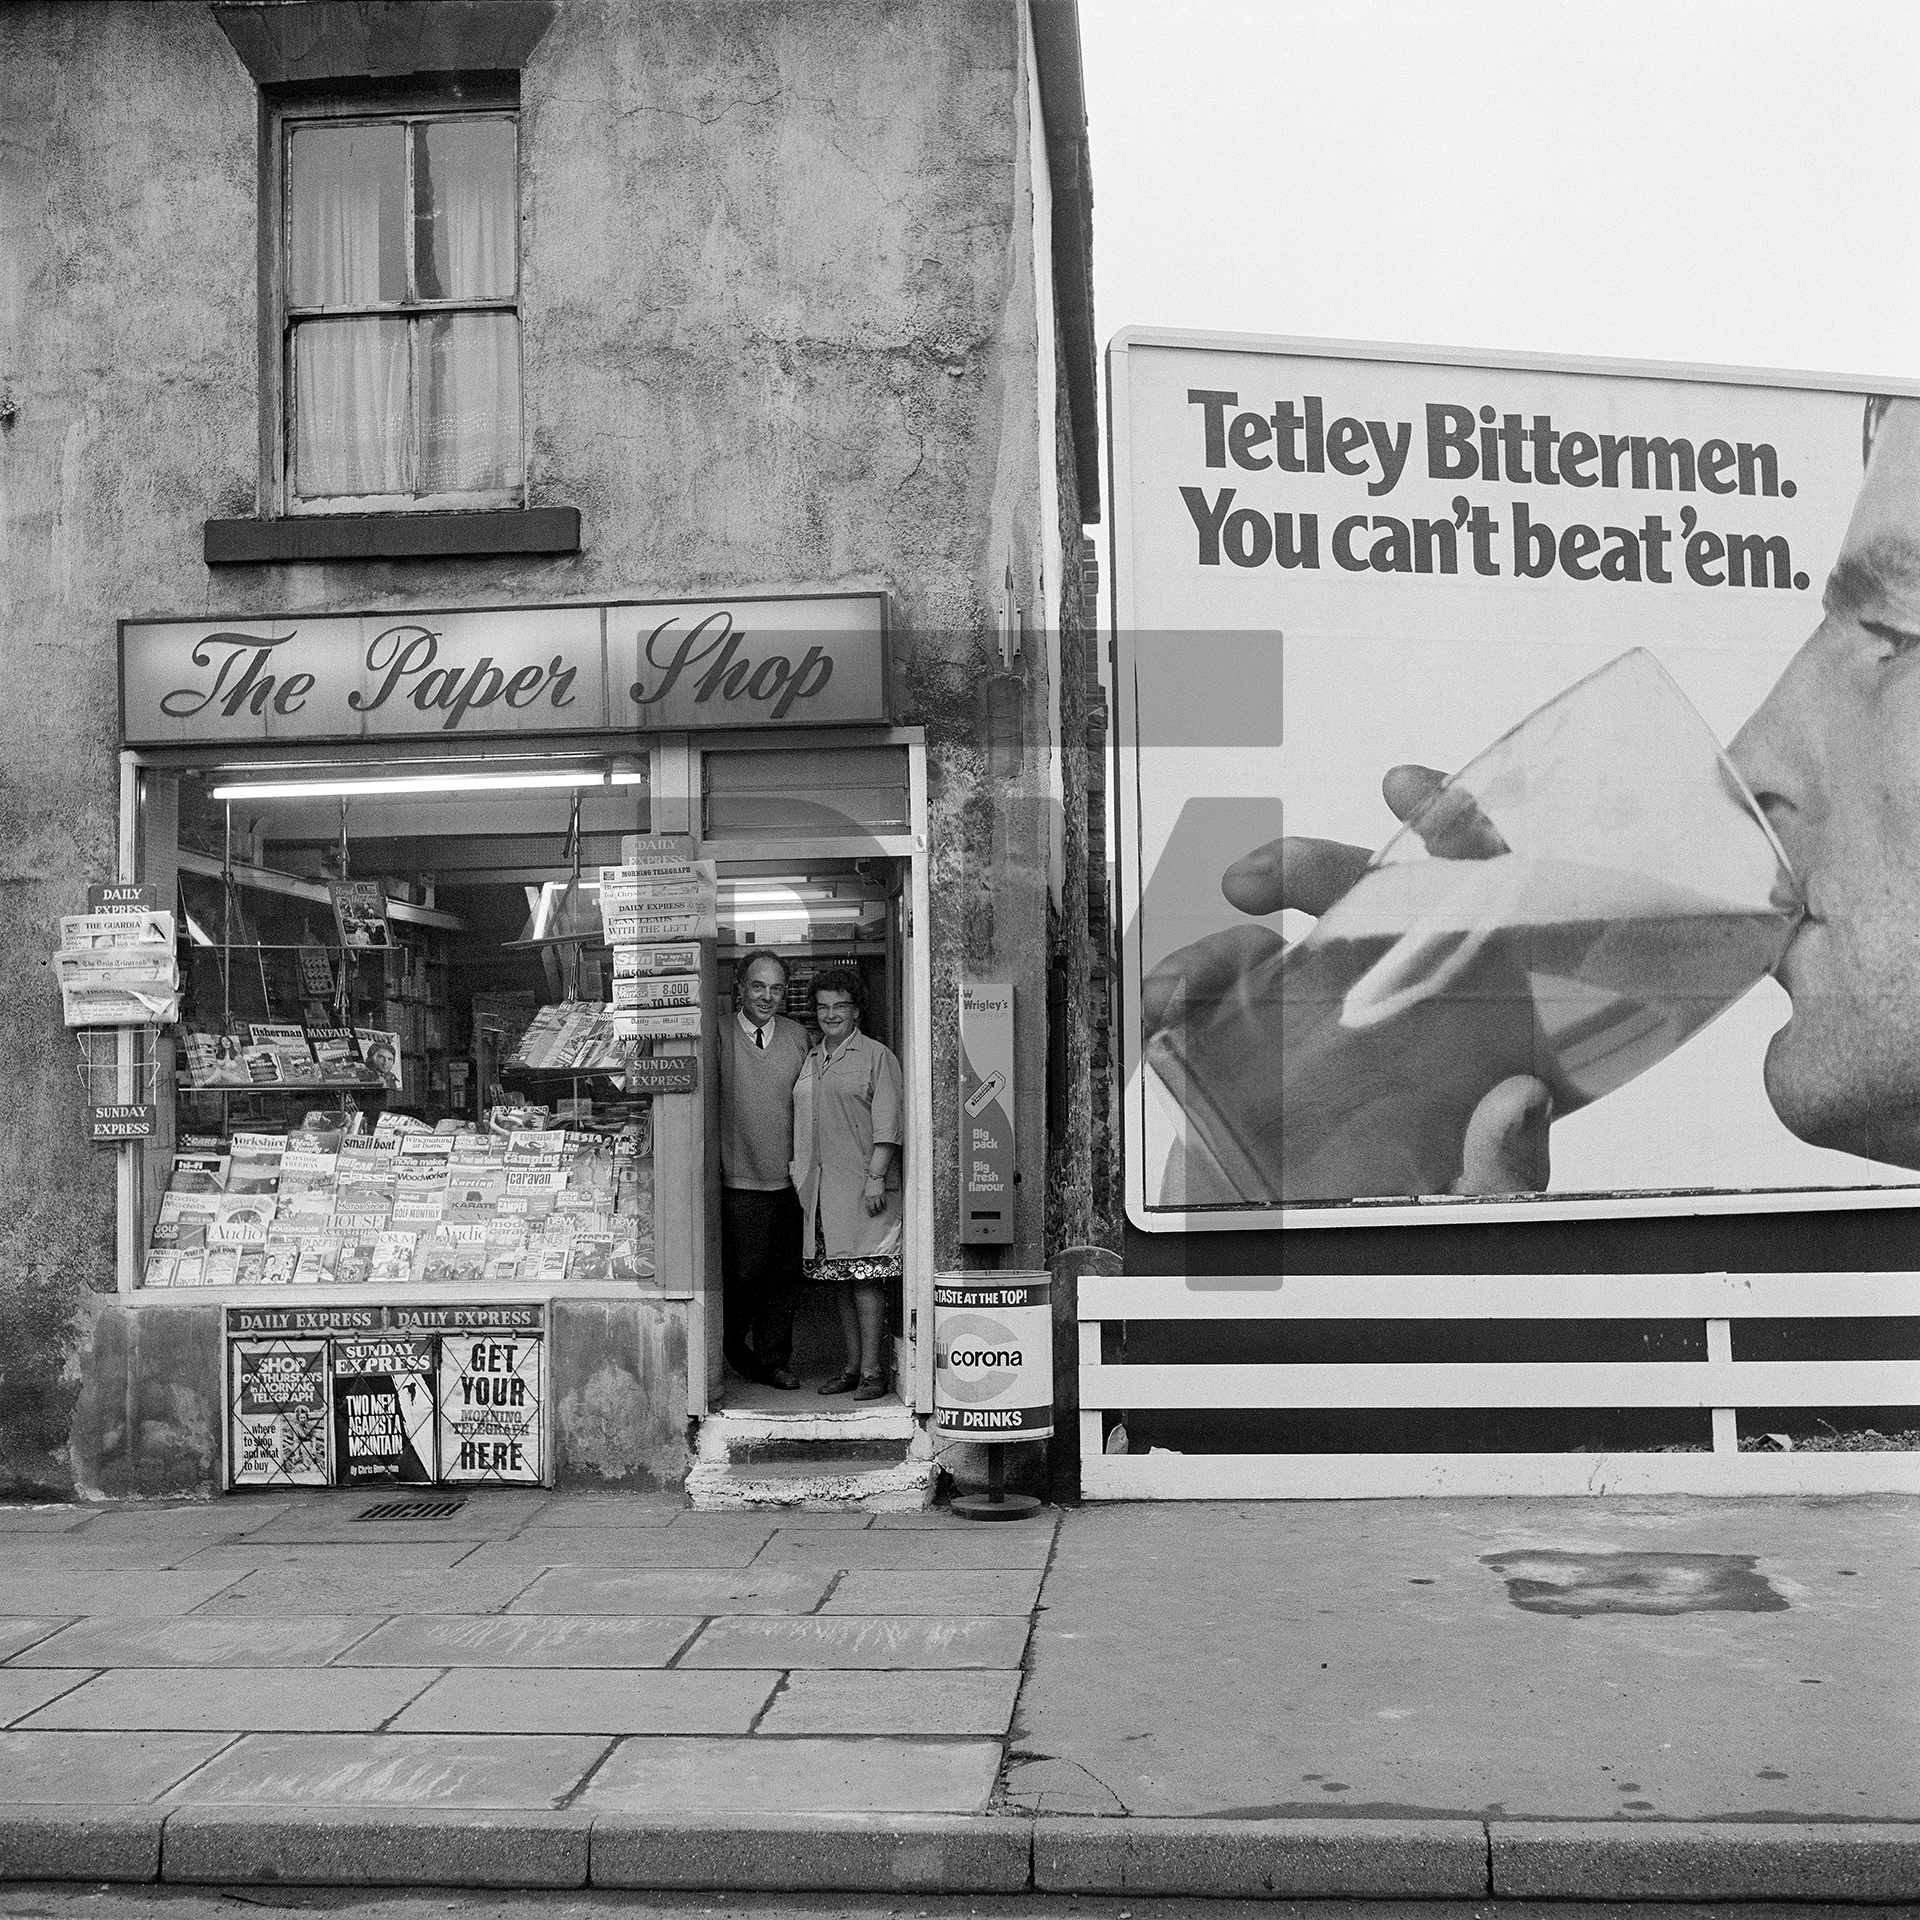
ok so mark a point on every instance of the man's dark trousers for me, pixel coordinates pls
(759, 1277)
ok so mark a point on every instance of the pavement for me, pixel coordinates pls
(1443, 1699)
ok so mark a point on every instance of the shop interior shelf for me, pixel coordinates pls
(288, 1087)
(268, 881)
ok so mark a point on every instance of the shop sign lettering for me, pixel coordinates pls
(502, 670)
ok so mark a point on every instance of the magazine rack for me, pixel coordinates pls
(119, 1066)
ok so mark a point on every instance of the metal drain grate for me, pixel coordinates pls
(412, 1510)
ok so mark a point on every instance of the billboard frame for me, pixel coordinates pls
(1642, 1203)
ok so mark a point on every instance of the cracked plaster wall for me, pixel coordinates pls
(780, 335)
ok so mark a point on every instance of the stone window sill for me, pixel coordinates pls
(391, 536)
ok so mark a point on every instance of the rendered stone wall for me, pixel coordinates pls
(779, 336)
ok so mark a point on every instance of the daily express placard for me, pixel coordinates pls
(1331, 562)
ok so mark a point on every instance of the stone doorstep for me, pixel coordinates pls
(907, 1487)
(869, 1459)
(966, 1853)
(849, 1422)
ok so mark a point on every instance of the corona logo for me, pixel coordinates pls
(977, 1357)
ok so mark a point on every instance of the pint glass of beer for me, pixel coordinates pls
(1574, 904)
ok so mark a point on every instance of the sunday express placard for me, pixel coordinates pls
(383, 1409)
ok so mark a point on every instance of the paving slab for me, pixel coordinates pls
(925, 1703)
(98, 1769)
(80, 1843)
(357, 1847)
(629, 1547)
(202, 1640)
(259, 1699)
(46, 1590)
(1001, 1590)
(524, 1640)
(818, 1852)
(799, 1776)
(23, 1691)
(1263, 1859)
(14, 1520)
(674, 1591)
(283, 1591)
(1749, 1861)
(208, 1519)
(859, 1640)
(905, 1549)
(395, 1770)
(939, 1520)
(374, 1556)
(57, 1553)
(606, 1510)
(18, 1634)
(483, 1517)
(1674, 1659)
(552, 1700)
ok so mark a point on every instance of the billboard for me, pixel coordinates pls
(1441, 900)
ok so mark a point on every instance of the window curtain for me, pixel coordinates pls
(348, 230)
(346, 237)
(470, 409)
(470, 402)
(350, 408)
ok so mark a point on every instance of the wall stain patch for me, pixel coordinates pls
(1574, 1585)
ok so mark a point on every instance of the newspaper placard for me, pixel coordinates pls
(491, 1407)
(383, 1409)
(278, 1427)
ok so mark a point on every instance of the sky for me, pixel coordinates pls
(1721, 181)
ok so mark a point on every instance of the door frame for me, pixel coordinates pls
(916, 1027)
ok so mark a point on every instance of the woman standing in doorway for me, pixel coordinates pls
(847, 1113)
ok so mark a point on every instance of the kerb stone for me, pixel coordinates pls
(813, 1853)
(341, 1846)
(80, 1843)
(1698, 1860)
(1255, 1859)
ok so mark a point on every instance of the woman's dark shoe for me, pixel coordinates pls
(843, 1383)
(873, 1386)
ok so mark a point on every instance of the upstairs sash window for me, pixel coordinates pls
(402, 312)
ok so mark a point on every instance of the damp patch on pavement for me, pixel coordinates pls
(1574, 1585)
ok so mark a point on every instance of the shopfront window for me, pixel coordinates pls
(402, 329)
(395, 1060)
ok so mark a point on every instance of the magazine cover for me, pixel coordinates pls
(198, 1173)
(255, 1162)
(215, 1059)
(360, 910)
(277, 1054)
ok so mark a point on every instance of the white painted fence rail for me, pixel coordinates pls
(1717, 1382)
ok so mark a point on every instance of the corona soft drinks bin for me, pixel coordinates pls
(993, 1373)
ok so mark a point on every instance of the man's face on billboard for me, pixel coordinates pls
(1833, 755)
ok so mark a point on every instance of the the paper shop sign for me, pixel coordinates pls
(629, 666)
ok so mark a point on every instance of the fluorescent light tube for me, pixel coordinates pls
(421, 784)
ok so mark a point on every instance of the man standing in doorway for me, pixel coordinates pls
(761, 1054)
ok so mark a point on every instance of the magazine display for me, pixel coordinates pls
(279, 1053)
(403, 1203)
